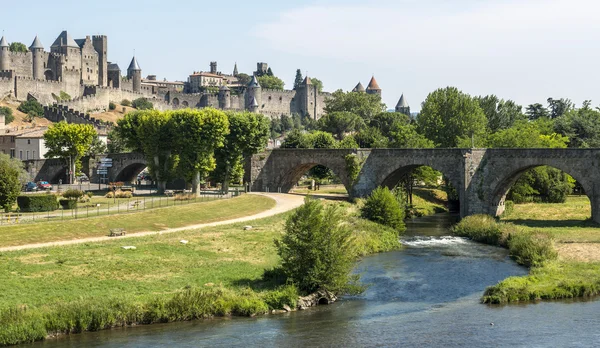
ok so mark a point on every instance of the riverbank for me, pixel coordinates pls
(557, 241)
(217, 272)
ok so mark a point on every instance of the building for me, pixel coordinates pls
(30, 145)
(402, 106)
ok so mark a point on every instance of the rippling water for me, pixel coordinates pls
(426, 294)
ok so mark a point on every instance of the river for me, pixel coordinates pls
(426, 294)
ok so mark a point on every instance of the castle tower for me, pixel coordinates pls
(37, 50)
(224, 97)
(373, 87)
(100, 43)
(402, 106)
(134, 73)
(4, 60)
(306, 96)
(359, 88)
(235, 70)
(253, 94)
(213, 67)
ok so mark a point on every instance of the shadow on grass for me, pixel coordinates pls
(270, 280)
(429, 195)
(553, 223)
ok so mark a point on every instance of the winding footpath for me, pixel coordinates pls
(283, 203)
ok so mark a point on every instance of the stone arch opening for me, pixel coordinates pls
(325, 177)
(59, 175)
(421, 180)
(129, 173)
(175, 102)
(49, 75)
(185, 104)
(505, 183)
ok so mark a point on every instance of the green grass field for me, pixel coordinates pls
(150, 220)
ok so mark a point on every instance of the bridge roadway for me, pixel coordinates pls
(481, 177)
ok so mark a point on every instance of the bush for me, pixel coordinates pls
(531, 249)
(35, 203)
(316, 251)
(480, 228)
(126, 102)
(7, 113)
(119, 194)
(31, 107)
(112, 106)
(383, 207)
(142, 104)
(73, 194)
(68, 203)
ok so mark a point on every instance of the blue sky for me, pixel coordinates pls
(525, 50)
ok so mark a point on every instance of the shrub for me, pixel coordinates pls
(35, 203)
(480, 228)
(119, 194)
(68, 203)
(383, 207)
(112, 106)
(31, 107)
(126, 102)
(531, 249)
(142, 104)
(73, 194)
(7, 113)
(184, 197)
(316, 251)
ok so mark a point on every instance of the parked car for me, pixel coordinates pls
(30, 186)
(44, 185)
(83, 178)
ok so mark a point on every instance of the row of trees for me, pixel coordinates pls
(193, 144)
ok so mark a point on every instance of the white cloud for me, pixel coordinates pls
(486, 46)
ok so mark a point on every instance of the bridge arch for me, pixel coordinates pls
(130, 172)
(287, 181)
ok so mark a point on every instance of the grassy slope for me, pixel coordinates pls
(151, 220)
(562, 278)
(429, 201)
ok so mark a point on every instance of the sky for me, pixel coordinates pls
(524, 50)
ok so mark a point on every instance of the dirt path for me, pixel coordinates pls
(582, 252)
(283, 203)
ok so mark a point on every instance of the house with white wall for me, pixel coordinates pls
(31, 145)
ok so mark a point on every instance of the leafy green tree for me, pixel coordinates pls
(244, 79)
(406, 136)
(270, 72)
(296, 139)
(581, 126)
(12, 176)
(7, 113)
(339, 123)
(536, 111)
(500, 113)
(526, 134)
(198, 133)
(31, 106)
(316, 250)
(125, 135)
(348, 143)
(299, 79)
(142, 104)
(70, 142)
(370, 137)
(287, 124)
(542, 184)
(383, 207)
(386, 121)
(362, 104)
(559, 107)
(18, 47)
(96, 147)
(271, 82)
(447, 115)
(317, 83)
(248, 134)
(126, 102)
(321, 140)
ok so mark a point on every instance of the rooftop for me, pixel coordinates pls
(65, 39)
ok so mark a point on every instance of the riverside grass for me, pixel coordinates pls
(531, 232)
(150, 220)
(100, 285)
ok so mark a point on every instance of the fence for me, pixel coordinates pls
(119, 206)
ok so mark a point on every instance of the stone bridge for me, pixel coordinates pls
(125, 167)
(482, 177)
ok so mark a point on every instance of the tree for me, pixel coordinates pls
(248, 134)
(318, 83)
(270, 72)
(559, 107)
(7, 113)
(370, 137)
(198, 133)
(271, 82)
(96, 147)
(70, 142)
(296, 139)
(142, 104)
(316, 250)
(581, 126)
(526, 134)
(386, 121)
(12, 176)
(126, 133)
(244, 79)
(287, 124)
(116, 144)
(500, 113)
(383, 207)
(447, 115)
(406, 136)
(536, 111)
(31, 106)
(18, 47)
(362, 104)
(299, 79)
(339, 123)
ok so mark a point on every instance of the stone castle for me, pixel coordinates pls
(81, 69)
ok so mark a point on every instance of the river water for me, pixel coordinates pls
(424, 295)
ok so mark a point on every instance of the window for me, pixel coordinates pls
(28, 141)
(27, 154)
(33, 155)
(12, 153)
(12, 139)
(21, 154)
